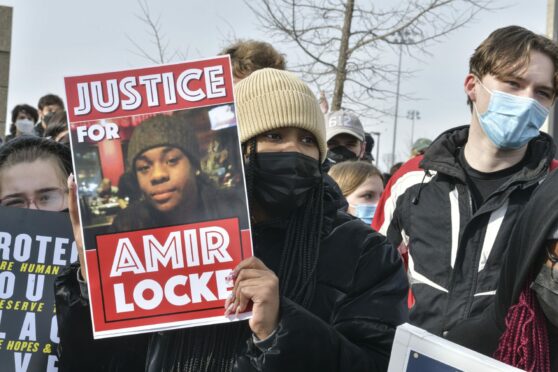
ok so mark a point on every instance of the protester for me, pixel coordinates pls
(454, 208)
(368, 147)
(315, 307)
(57, 128)
(521, 327)
(420, 146)
(24, 118)
(48, 105)
(361, 184)
(33, 173)
(248, 56)
(345, 137)
(394, 168)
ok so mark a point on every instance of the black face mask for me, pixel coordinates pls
(546, 289)
(340, 154)
(282, 180)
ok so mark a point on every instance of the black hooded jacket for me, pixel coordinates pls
(455, 252)
(349, 325)
(526, 254)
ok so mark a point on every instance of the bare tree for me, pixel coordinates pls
(157, 40)
(348, 47)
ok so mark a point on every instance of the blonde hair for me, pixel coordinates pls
(349, 175)
(248, 56)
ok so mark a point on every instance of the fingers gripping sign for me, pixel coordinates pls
(74, 217)
(253, 281)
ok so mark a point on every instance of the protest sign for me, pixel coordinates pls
(162, 198)
(416, 350)
(34, 247)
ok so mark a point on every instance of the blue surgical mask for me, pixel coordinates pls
(510, 121)
(25, 126)
(365, 212)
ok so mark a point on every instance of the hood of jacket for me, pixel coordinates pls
(442, 155)
(527, 250)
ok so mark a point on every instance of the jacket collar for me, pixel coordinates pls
(441, 156)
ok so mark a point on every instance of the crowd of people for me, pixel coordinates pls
(460, 240)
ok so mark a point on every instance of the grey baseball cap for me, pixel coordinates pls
(342, 121)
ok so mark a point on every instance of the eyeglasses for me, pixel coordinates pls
(554, 259)
(46, 200)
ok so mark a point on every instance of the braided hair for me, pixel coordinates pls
(300, 253)
(524, 344)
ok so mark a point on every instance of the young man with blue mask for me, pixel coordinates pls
(453, 208)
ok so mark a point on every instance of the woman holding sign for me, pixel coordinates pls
(326, 291)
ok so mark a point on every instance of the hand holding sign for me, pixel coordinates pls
(255, 282)
(74, 216)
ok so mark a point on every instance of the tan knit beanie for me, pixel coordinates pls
(270, 99)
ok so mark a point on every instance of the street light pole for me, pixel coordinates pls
(396, 103)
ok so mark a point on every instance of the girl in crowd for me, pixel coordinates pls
(24, 118)
(33, 173)
(521, 327)
(315, 307)
(57, 128)
(361, 184)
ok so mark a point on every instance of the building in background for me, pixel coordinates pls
(5, 46)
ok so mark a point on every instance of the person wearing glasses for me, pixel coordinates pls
(33, 174)
(520, 328)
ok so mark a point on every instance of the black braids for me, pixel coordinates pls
(182, 345)
(285, 265)
(208, 343)
(211, 348)
(300, 254)
(299, 258)
(252, 147)
(308, 288)
(196, 352)
(294, 253)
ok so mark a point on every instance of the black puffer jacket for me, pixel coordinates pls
(526, 254)
(350, 325)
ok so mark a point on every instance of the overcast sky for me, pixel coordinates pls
(56, 38)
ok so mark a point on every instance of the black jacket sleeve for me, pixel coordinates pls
(360, 332)
(481, 333)
(77, 350)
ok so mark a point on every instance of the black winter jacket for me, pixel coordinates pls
(455, 254)
(359, 300)
(526, 254)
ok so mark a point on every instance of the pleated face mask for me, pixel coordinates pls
(365, 212)
(282, 180)
(546, 288)
(510, 121)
